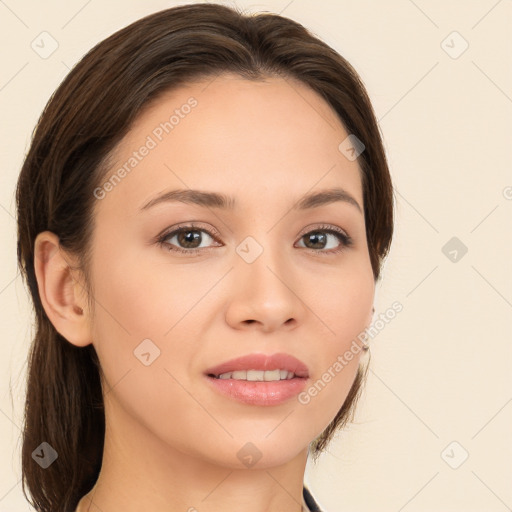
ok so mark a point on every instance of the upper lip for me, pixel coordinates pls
(279, 361)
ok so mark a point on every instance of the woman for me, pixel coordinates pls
(202, 218)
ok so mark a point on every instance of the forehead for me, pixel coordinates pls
(270, 138)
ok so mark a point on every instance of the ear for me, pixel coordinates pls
(62, 296)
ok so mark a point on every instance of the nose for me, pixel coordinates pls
(262, 295)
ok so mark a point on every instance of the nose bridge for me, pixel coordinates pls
(260, 261)
(262, 276)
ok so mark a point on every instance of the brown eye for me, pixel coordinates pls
(188, 239)
(318, 239)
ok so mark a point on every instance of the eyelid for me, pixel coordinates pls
(190, 225)
(323, 227)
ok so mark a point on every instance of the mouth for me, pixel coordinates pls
(258, 379)
(257, 375)
(260, 367)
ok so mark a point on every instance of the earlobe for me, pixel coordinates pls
(58, 290)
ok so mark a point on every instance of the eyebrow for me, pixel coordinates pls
(222, 201)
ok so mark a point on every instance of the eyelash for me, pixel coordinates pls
(346, 240)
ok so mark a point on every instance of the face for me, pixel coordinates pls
(262, 276)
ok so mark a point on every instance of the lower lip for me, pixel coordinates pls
(257, 392)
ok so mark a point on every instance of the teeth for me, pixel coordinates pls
(258, 375)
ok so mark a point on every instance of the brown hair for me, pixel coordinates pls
(84, 120)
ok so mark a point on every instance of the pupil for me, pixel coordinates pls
(316, 236)
(186, 237)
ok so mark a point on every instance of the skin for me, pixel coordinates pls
(171, 441)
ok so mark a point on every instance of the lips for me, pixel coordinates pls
(279, 361)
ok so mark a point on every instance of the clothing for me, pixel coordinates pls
(308, 503)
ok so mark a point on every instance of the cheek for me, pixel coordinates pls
(141, 317)
(344, 310)
(342, 300)
(140, 298)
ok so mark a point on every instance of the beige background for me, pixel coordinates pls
(441, 369)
